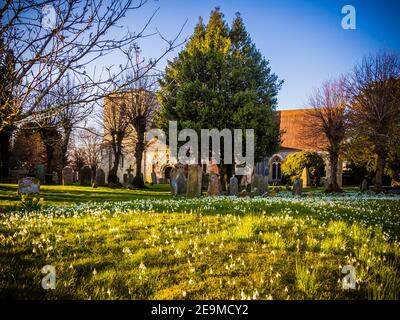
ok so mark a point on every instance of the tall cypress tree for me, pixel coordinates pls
(221, 80)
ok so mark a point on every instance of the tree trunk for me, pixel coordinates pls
(333, 184)
(49, 158)
(112, 175)
(140, 127)
(64, 148)
(5, 139)
(380, 167)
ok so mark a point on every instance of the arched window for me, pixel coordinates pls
(276, 169)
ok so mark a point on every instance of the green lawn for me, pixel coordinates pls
(75, 194)
(155, 247)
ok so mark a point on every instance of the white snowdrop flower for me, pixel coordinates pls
(94, 271)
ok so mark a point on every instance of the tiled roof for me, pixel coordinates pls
(291, 124)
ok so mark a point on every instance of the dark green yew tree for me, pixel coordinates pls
(221, 80)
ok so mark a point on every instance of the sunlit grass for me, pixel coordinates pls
(220, 248)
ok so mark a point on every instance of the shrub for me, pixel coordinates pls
(293, 165)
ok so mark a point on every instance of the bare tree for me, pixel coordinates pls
(326, 119)
(43, 40)
(71, 112)
(141, 103)
(91, 146)
(77, 158)
(6, 69)
(48, 129)
(374, 109)
(116, 129)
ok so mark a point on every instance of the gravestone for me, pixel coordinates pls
(129, 178)
(55, 177)
(234, 186)
(305, 176)
(28, 185)
(67, 176)
(181, 183)
(125, 179)
(40, 172)
(213, 169)
(266, 184)
(172, 180)
(100, 177)
(297, 187)
(257, 184)
(153, 178)
(214, 185)
(85, 176)
(194, 181)
(364, 185)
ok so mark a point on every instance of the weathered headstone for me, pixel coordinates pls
(100, 177)
(181, 185)
(305, 176)
(128, 179)
(266, 184)
(67, 176)
(297, 187)
(172, 180)
(258, 185)
(55, 177)
(40, 172)
(85, 176)
(28, 185)
(153, 178)
(364, 185)
(194, 181)
(214, 185)
(213, 169)
(234, 186)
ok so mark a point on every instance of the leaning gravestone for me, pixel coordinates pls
(297, 187)
(28, 185)
(194, 181)
(40, 172)
(181, 185)
(214, 187)
(85, 176)
(234, 186)
(100, 177)
(67, 176)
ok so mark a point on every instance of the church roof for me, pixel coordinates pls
(291, 124)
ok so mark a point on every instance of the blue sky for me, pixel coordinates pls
(302, 39)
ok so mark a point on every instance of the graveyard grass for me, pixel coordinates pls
(148, 245)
